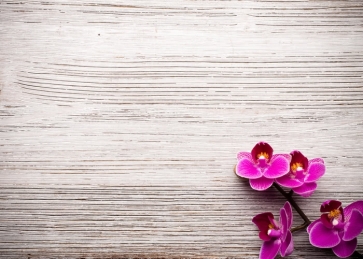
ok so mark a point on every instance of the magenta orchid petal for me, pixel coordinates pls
(288, 210)
(287, 246)
(287, 156)
(306, 189)
(354, 226)
(261, 183)
(288, 181)
(279, 167)
(264, 236)
(345, 248)
(316, 160)
(312, 224)
(273, 233)
(247, 169)
(323, 237)
(357, 205)
(270, 249)
(242, 154)
(315, 172)
(283, 223)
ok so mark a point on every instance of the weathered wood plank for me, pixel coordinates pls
(120, 121)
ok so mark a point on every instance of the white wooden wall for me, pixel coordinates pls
(120, 121)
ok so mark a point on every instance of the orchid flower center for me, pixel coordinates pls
(272, 232)
(263, 155)
(296, 167)
(334, 214)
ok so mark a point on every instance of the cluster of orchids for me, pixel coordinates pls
(337, 228)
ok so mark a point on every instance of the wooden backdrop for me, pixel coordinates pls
(121, 120)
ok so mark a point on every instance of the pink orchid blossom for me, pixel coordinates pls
(303, 174)
(276, 236)
(337, 228)
(261, 167)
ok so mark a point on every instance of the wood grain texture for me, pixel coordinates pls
(120, 121)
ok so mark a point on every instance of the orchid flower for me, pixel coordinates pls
(303, 174)
(276, 236)
(337, 228)
(261, 166)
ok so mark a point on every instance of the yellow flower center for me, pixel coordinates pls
(334, 214)
(263, 155)
(296, 166)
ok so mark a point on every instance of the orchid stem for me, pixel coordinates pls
(356, 254)
(303, 226)
(291, 192)
(289, 198)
